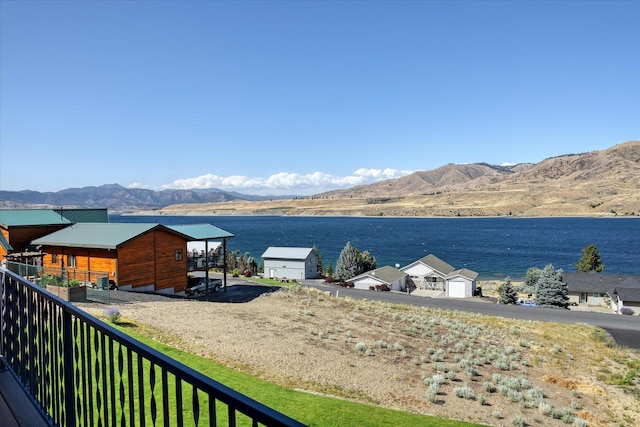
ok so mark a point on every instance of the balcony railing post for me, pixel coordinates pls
(67, 337)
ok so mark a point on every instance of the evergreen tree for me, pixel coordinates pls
(330, 270)
(367, 262)
(508, 295)
(319, 264)
(551, 291)
(348, 264)
(590, 260)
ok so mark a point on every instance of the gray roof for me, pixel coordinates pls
(287, 253)
(464, 272)
(31, 217)
(385, 274)
(437, 264)
(201, 231)
(98, 235)
(628, 294)
(598, 282)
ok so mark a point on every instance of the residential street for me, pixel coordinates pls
(624, 329)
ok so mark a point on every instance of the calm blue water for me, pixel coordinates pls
(494, 247)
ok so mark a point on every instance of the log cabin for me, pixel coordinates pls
(134, 256)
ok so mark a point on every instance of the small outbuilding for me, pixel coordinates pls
(461, 283)
(290, 263)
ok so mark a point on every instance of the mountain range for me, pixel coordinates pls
(605, 182)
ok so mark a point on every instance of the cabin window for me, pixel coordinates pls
(178, 254)
(71, 260)
(583, 297)
(596, 298)
(54, 258)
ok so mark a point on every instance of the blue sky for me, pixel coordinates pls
(299, 97)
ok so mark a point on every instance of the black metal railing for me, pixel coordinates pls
(81, 371)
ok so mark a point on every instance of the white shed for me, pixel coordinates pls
(290, 263)
(461, 283)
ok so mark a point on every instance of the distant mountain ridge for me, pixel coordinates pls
(116, 197)
(595, 183)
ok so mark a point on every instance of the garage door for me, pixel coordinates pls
(456, 290)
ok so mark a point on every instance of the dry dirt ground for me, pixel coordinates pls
(403, 357)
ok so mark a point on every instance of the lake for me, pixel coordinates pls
(493, 247)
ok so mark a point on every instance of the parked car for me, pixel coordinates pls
(199, 286)
(526, 302)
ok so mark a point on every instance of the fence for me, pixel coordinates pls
(82, 372)
(71, 284)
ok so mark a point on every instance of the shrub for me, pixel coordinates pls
(112, 314)
(464, 392)
(627, 311)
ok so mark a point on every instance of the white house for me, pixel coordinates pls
(429, 272)
(432, 273)
(383, 276)
(614, 291)
(461, 283)
(290, 263)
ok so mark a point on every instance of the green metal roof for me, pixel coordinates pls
(201, 231)
(30, 217)
(5, 244)
(84, 215)
(96, 235)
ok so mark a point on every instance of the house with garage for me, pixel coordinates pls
(430, 273)
(290, 263)
(383, 278)
(613, 291)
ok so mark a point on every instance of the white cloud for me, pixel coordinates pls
(508, 164)
(283, 183)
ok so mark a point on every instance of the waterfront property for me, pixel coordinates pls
(433, 274)
(383, 278)
(613, 291)
(19, 227)
(135, 256)
(290, 263)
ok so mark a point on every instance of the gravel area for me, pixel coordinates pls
(371, 352)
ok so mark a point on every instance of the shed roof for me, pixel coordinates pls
(31, 217)
(463, 272)
(98, 235)
(201, 231)
(286, 252)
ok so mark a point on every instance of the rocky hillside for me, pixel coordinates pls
(599, 183)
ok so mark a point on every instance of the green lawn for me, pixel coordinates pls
(310, 409)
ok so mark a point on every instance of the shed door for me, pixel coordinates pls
(457, 290)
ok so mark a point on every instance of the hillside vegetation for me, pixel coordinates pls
(598, 183)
